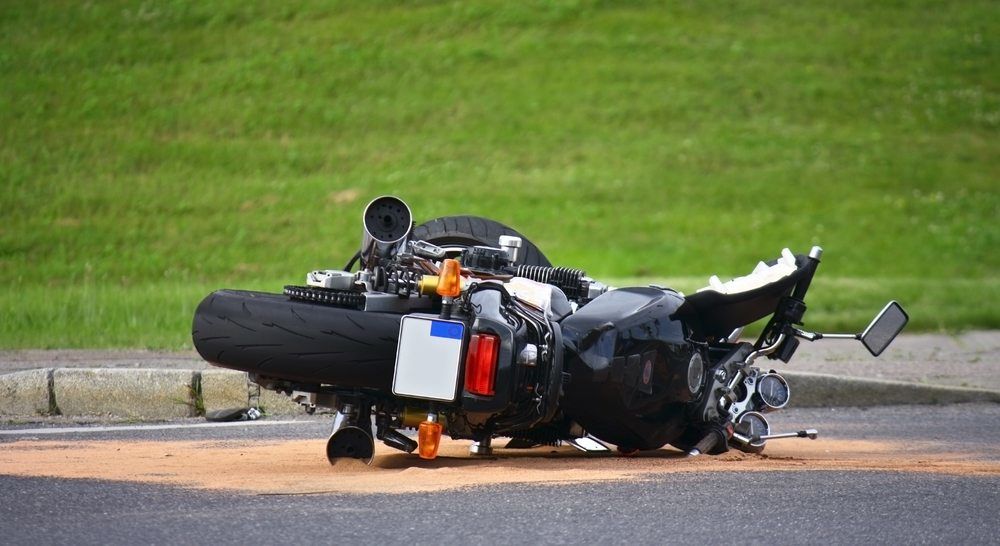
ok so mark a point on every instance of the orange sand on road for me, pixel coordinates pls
(300, 466)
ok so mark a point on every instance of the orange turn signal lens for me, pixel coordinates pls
(428, 439)
(450, 279)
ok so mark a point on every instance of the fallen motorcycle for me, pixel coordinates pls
(460, 325)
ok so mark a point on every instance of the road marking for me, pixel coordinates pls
(85, 429)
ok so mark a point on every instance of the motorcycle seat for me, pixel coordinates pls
(716, 311)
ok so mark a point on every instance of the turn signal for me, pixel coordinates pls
(429, 439)
(450, 279)
(481, 364)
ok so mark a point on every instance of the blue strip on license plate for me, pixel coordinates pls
(448, 330)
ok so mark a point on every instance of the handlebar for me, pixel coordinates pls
(812, 263)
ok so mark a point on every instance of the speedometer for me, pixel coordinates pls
(753, 425)
(772, 390)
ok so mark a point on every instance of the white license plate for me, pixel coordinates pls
(428, 358)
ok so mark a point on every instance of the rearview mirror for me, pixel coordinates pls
(884, 328)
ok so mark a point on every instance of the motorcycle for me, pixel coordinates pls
(461, 326)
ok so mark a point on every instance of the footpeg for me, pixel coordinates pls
(396, 440)
(589, 444)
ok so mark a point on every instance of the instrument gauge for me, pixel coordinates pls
(754, 424)
(772, 391)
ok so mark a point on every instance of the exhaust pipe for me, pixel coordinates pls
(387, 220)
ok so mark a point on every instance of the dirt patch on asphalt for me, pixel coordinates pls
(300, 467)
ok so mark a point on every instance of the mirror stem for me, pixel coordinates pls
(811, 336)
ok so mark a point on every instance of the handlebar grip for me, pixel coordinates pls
(803, 285)
(705, 445)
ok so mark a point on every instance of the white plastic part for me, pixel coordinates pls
(532, 292)
(761, 275)
(330, 278)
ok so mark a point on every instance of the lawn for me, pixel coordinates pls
(153, 151)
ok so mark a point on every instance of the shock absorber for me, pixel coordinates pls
(569, 280)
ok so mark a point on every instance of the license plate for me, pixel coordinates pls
(428, 358)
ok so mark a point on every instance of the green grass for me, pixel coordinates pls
(153, 151)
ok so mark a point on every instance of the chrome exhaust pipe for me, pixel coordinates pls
(387, 221)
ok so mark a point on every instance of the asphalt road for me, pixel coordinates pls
(802, 506)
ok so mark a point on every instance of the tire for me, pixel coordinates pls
(473, 231)
(273, 336)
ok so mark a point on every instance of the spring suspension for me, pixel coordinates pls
(395, 280)
(569, 280)
(403, 282)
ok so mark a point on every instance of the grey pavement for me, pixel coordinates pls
(783, 508)
(970, 359)
(149, 385)
(807, 506)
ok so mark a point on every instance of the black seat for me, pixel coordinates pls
(713, 314)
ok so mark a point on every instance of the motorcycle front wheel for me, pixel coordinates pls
(466, 231)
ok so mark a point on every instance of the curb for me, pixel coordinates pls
(159, 394)
(141, 394)
(823, 390)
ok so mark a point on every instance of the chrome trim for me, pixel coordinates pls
(343, 418)
(839, 336)
(810, 433)
(482, 448)
(763, 403)
(511, 244)
(764, 351)
(750, 441)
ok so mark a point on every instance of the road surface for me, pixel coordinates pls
(912, 474)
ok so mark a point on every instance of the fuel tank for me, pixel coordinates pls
(274, 336)
(631, 369)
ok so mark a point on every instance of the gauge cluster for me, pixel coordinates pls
(758, 393)
(772, 392)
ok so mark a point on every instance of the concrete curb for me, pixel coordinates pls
(133, 394)
(155, 394)
(822, 390)
(144, 394)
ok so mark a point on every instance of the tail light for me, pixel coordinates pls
(481, 364)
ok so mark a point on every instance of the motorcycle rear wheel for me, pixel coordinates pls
(466, 231)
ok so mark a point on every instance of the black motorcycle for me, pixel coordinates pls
(460, 325)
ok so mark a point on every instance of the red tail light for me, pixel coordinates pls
(481, 364)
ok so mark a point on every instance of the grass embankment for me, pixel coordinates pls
(151, 152)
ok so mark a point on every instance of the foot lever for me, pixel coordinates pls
(395, 439)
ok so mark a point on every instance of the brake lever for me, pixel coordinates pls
(810, 433)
